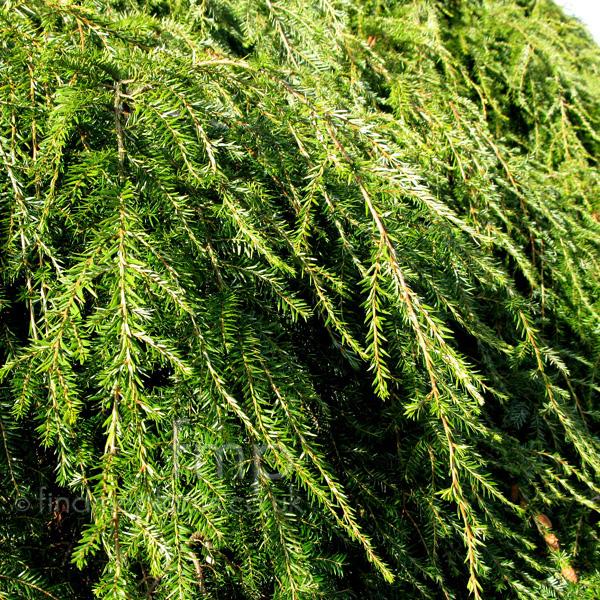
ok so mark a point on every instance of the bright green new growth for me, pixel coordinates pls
(302, 300)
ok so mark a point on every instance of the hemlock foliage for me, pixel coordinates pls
(299, 300)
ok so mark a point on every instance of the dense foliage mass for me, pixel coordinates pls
(299, 300)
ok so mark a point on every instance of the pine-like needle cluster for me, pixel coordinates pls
(298, 300)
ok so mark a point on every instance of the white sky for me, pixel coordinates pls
(588, 11)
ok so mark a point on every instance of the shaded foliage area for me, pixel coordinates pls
(298, 300)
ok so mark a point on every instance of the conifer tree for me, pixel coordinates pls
(299, 300)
